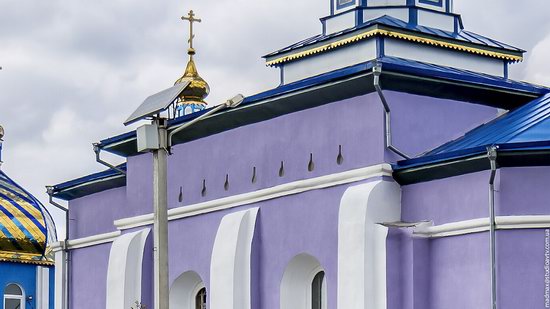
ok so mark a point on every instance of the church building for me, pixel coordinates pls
(26, 261)
(396, 166)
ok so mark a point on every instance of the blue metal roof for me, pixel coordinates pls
(527, 127)
(391, 64)
(93, 183)
(461, 35)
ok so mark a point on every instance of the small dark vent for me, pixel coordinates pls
(254, 179)
(282, 169)
(340, 157)
(226, 184)
(311, 164)
(203, 192)
(180, 196)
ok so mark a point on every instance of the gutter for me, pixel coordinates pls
(377, 71)
(492, 156)
(50, 192)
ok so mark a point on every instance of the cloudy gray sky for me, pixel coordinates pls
(73, 70)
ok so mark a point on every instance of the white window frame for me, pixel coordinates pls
(21, 297)
(323, 288)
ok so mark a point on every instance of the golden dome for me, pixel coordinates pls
(198, 88)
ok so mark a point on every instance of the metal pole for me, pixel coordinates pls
(492, 156)
(160, 225)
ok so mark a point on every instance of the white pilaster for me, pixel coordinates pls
(124, 272)
(42, 287)
(230, 265)
(60, 299)
(362, 243)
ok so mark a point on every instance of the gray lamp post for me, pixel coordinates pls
(154, 138)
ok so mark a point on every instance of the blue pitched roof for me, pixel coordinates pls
(461, 35)
(393, 64)
(526, 128)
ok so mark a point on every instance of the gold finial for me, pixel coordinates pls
(192, 98)
(191, 19)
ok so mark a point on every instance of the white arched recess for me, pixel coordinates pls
(362, 243)
(295, 290)
(184, 290)
(124, 272)
(230, 265)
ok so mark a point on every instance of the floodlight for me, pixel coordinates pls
(235, 101)
(157, 103)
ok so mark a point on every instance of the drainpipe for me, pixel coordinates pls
(50, 191)
(97, 151)
(492, 156)
(377, 71)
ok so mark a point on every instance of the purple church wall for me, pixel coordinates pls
(417, 121)
(523, 191)
(106, 206)
(88, 277)
(447, 200)
(311, 227)
(304, 223)
(520, 269)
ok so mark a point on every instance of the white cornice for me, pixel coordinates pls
(93, 240)
(262, 195)
(482, 225)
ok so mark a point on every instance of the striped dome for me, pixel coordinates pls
(26, 227)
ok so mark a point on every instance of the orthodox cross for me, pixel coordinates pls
(191, 19)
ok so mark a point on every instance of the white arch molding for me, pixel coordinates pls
(184, 290)
(124, 271)
(362, 243)
(230, 272)
(296, 283)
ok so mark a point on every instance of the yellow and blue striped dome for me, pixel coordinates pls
(26, 227)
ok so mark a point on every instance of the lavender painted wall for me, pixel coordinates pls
(311, 228)
(447, 200)
(422, 123)
(94, 214)
(523, 191)
(88, 276)
(286, 227)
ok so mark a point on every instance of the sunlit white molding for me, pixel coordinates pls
(230, 267)
(362, 243)
(482, 225)
(93, 240)
(124, 270)
(262, 195)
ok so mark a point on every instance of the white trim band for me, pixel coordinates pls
(482, 225)
(93, 240)
(262, 195)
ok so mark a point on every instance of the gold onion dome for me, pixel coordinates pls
(198, 88)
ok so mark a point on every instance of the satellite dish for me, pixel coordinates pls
(1, 132)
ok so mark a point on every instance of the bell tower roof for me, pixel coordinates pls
(427, 31)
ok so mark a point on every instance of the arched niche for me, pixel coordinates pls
(184, 290)
(297, 283)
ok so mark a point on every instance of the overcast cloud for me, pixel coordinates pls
(73, 70)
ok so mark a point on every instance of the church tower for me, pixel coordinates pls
(192, 98)
(426, 31)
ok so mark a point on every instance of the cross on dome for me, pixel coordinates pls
(191, 19)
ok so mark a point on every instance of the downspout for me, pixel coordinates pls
(50, 191)
(97, 151)
(492, 156)
(377, 71)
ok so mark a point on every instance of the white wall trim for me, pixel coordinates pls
(93, 240)
(42, 294)
(482, 225)
(124, 270)
(262, 195)
(362, 243)
(231, 257)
